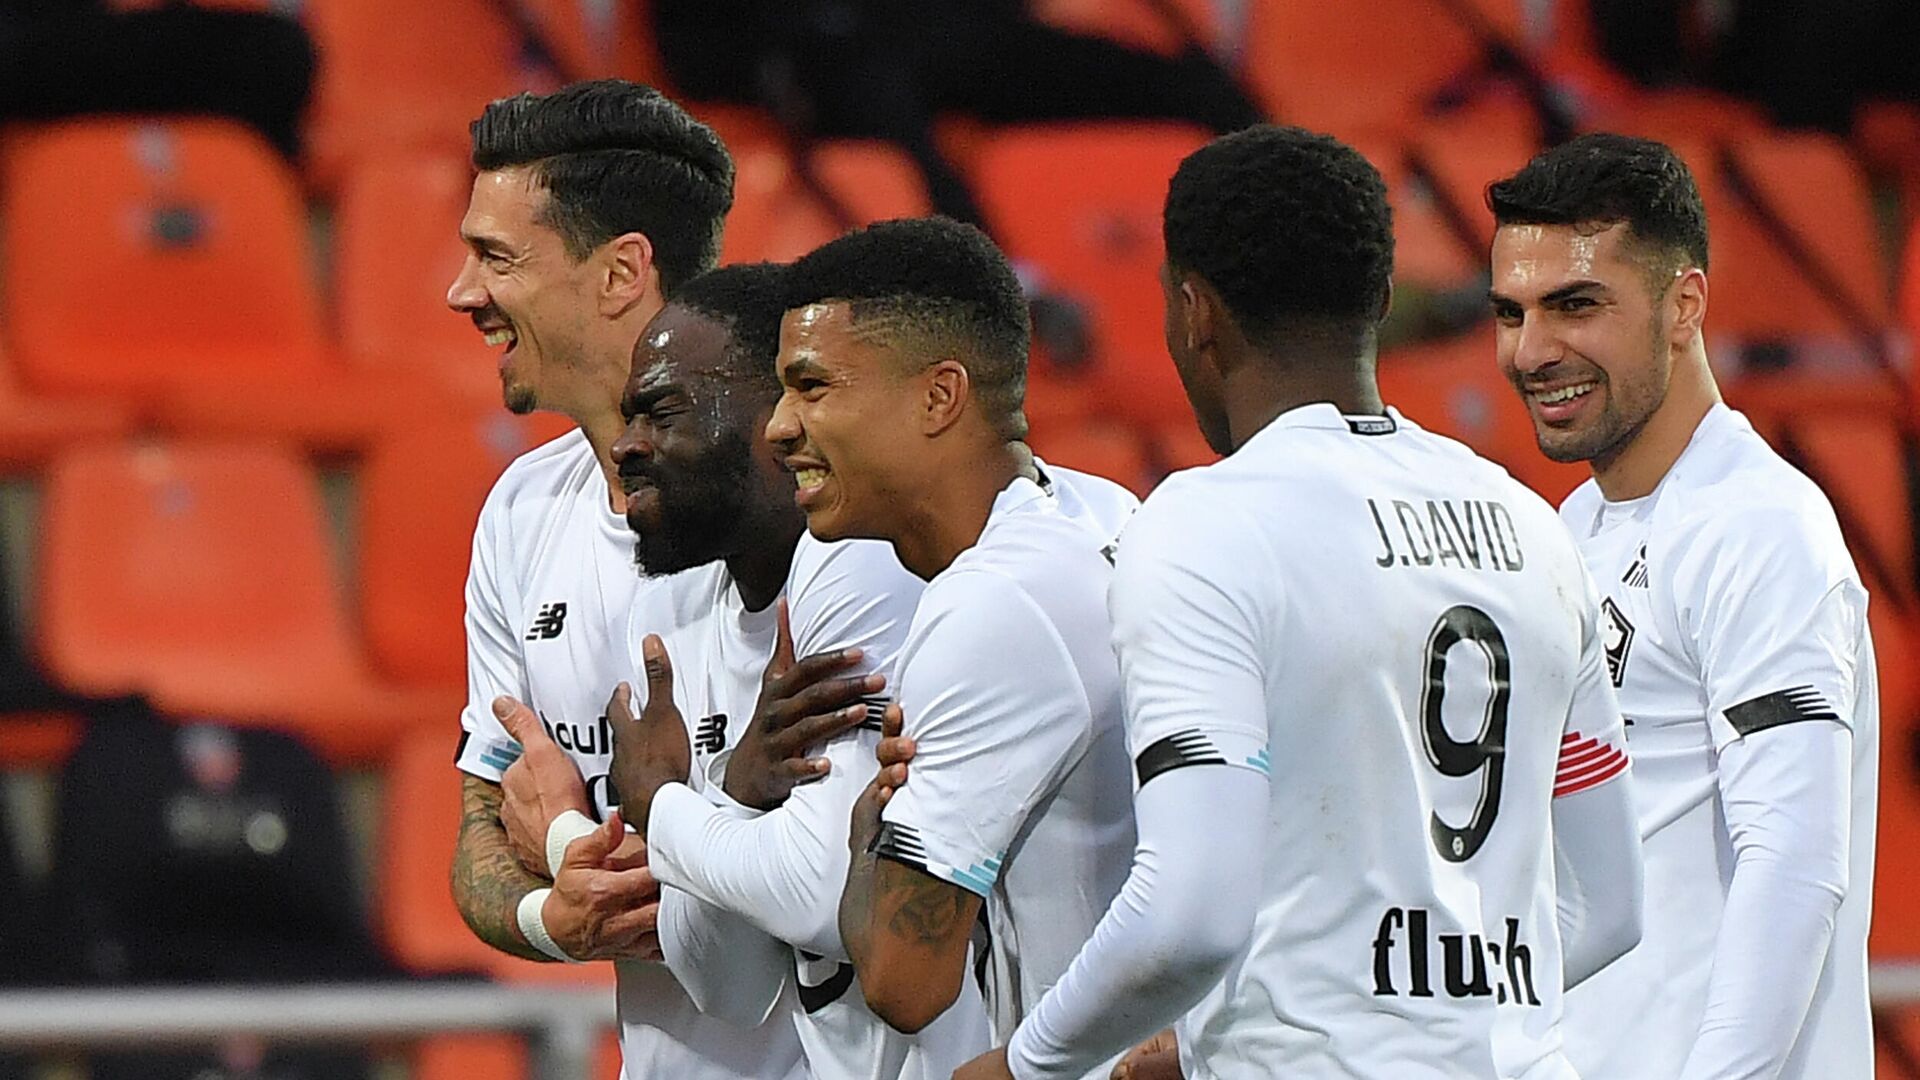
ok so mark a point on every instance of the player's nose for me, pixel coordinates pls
(466, 293)
(1534, 345)
(783, 427)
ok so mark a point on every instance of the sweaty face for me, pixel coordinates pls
(845, 423)
(1200, 380)
(525, 294)
(1582, 335)
(699, 481)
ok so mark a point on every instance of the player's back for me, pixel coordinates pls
(1418, 619)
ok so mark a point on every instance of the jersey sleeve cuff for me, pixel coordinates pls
(485, 758)
(936, 857)
(1193, 746)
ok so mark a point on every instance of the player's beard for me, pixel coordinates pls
(1631, 401)
(702, 509)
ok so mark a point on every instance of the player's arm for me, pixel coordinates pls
(1192, 660)
(488, 880)
(782, 870)
(997, 715)
(1599, 879)
(729, 968)
(1778, 626)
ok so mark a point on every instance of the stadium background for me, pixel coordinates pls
(243, 443)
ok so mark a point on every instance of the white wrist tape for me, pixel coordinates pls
(534, 925)
(571, 825)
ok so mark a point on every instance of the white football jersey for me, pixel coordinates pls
(1012, 696)
(1402, 637)
(840, 595)
(1730, 605)
(550, 593)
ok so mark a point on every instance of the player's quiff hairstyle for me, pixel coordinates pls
(1289, 227)
(749, 299)
(1604, 180)
(933, 288)
(617, 157)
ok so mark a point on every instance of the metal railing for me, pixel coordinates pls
(562, 1025)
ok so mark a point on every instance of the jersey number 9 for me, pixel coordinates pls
(1487, 752)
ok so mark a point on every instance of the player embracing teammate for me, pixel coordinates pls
(1320, 765)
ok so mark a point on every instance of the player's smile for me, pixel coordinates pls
(812, 476)
(1563, 404)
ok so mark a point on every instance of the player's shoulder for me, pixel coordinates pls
(853, 566)
(1032, 546)
(1729, 486)
(541, 473)
(1104, 503)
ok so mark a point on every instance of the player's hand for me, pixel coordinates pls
(894, 751)
(988, 1066)
(597, 913)
(538, 787)
(802, 704)
(1156, 1059)
(652, 751)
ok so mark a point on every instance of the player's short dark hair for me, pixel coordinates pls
(1287, 226)
(933, 287)
(749, 299)
(1604, 179)
(617, 157)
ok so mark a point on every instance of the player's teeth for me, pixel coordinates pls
(811, 477)
(1565, 393)
(500, 337)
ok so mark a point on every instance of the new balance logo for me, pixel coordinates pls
(1636, 575)
(547, 625)
(710, 734)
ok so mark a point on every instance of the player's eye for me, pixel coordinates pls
(1577, 304)
(1506, 311)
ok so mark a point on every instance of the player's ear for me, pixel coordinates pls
(1199, 308)
(948, 389)
(1688, 301)
(627, 273)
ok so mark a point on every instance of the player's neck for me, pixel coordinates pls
(1257, 394)
(948, 516)
(602, 428)
(760, 572)
(1638, 467)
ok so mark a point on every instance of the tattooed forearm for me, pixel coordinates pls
(488, 881)
(922, 909)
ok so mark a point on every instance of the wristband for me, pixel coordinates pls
(571, 825)
(534, 925)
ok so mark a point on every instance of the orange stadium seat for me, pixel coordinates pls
(206, 233)
(1354, 69)
(1102, 447)
(34, 427)
(597, 41)
(200, 575)
(406, 76)
(420, 494)
(1143, 24)
(776, 216)
(1428, 248)
(1455, 389)
(1684, 115)
(1809, 184)
(217, 325)
(1458, 165)
(1896, 891)
(1080, 206)
(416, 917)
(396, 249)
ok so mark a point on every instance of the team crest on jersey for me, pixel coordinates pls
(549, 622)
(1616, 634)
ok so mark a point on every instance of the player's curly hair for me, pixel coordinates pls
(749, 299)
(931, 287)
(1605, 179)
(1286, 225)
(617, 157)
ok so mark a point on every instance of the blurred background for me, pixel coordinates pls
(243, 443)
